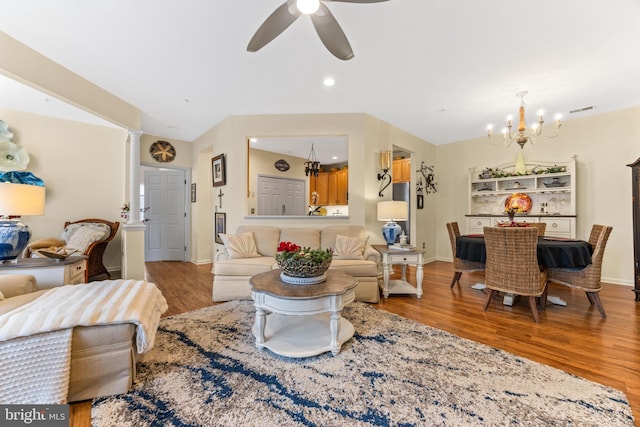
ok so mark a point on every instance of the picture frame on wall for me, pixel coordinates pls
(221, 225)
(218, 170)
(193, 192)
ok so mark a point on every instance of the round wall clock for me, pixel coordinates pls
(162, 151)
(282, 165)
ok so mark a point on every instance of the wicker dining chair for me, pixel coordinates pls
(588, 278)
(512, 265)
(595, 234)
(540, 226)
(460, 265)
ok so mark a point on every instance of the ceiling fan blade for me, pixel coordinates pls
(275, 24)
(331, 34)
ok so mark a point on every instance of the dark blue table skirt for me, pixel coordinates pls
(552, 252)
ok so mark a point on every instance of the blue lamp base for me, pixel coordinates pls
(14, 237)
(390, 231)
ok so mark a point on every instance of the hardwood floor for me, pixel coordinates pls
(573, 338)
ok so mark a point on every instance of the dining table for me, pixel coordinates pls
(553, 252)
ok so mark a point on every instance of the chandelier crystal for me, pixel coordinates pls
(312, 165)
(523, 134)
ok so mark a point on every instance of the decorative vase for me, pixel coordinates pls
(390, 231)
(14, 236)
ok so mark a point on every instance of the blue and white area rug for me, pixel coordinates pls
(206, 371)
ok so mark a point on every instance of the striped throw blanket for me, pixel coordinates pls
(61, 309)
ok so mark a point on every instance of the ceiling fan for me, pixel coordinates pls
(324, 22)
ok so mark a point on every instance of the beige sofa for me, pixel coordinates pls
(231, 276)
(103, 358)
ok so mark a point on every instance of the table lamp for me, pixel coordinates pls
(17, 200)
(392, 211)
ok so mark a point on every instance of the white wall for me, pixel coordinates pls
(604, 145)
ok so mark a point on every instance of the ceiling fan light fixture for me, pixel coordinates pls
(308, 7)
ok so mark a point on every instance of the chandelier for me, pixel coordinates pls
(312, 165)
(523, 134)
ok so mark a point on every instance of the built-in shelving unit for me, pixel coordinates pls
(551, 186)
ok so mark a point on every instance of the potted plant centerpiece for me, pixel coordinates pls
(303, 265)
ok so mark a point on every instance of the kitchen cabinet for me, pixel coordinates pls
(332, 188)
(401, 170)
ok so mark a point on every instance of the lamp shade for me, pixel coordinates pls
(394, 210)
(21, 199)
(17, 200)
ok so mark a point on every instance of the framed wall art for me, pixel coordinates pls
(218, 171)
(221, 225)
(193, 192)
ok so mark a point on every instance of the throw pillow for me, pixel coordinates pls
(349, 247)
(240, 245)
(84, 236)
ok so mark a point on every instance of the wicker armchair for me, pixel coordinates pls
(512, 265)
(460, 265)
(588, 278)
(94, 251)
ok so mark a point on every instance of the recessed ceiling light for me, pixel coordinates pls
(329, 81)
(253, 139)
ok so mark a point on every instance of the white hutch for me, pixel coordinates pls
(550, 185)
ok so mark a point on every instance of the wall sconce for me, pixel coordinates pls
(385, 165)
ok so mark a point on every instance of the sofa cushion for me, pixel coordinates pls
(240, 245)
(303, 237)
(349, 247)
(266, 238)
(356, 268)
(12, 285)
(329, 234)
(244, 266)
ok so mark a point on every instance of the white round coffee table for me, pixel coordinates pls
(302, 320)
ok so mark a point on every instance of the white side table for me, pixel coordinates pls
(49, 273)
(404, 258)
(302, 320)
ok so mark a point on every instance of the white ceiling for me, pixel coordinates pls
(441, 70)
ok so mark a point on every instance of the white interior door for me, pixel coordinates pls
(280, 196)
(164, 195)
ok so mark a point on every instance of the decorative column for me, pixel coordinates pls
(133, 229)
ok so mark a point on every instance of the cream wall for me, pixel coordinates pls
(367, 137)
(604, 145)
(83, 168)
